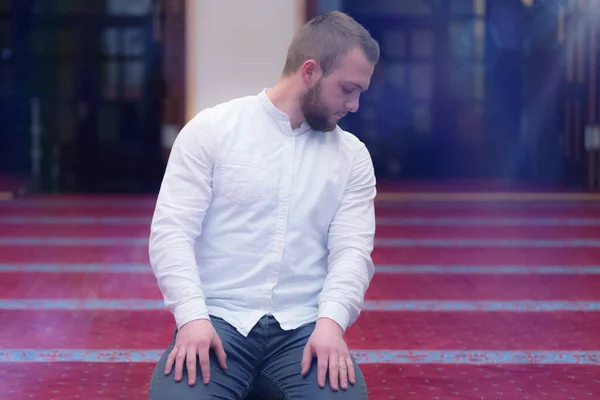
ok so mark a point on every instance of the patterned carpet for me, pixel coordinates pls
(471, 300)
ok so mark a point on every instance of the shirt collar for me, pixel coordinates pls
(279, 116)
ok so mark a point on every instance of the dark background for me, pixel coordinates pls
(466, 89)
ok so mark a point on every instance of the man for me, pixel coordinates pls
(263, 231)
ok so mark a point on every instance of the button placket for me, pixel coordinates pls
(287, 171)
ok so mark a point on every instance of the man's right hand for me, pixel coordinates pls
(195, 339)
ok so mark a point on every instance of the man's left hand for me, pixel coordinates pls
(328, 345)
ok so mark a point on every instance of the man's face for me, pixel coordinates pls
(330, 98)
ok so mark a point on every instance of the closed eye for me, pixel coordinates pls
(351, 87)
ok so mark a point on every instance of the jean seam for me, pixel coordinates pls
(245, 392)
(274, 382)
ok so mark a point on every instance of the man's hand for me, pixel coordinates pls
(328, 345)
(195, 339)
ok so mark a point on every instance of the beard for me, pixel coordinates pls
(316, 113)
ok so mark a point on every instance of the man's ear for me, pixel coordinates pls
(310, 72)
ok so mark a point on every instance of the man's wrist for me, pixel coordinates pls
(190, 310)
(330, 323)
(335, 312)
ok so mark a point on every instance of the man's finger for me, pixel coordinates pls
(322, 361)
(334, 371)
(220, 352)
(204, 364)
(170, 361)
(190, 363)
(351, 372)
(307, 356)
(343, 373)
(179, 360)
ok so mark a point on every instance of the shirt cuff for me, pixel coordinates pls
(190, 310)
(335, 311)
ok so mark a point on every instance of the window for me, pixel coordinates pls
(467, 7)
(470, 122)
(133, 75)
(4, 34)
(394, 43)
(421, 81)
(125, 66)
(129, 7)
(7, 81)
(395, 74)
(422, 43)
(467, 39)
(411, 8)
(467, 77)
(422, 118)
(468, 81)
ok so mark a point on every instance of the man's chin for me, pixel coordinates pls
(323, 126)
(330, 127)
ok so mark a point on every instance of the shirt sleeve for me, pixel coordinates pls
(350, 244)
(183, 199)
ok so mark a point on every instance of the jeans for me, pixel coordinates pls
(264, 365)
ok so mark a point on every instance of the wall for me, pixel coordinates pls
(235, 47)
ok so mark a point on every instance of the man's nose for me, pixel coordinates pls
(352, 106)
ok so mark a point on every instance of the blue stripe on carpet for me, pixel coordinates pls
(150, 202)
(466, 221)
(482, 306)
(490, 205)
(488, 270)
(362, 356)
(60, 268)
(76, 220)
(143, 241)
(441, 221)
(50, 203)
(370, 305)
(488, 242)
(381, 269)
(73, 241)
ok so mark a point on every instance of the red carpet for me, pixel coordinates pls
(44, 285)
(470, 301)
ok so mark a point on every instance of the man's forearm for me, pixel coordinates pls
(174, 266)
(344, 290)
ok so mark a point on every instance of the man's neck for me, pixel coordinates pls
(285, 97)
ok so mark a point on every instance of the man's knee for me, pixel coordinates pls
(231, 383)
(283, 371)
(163, 386)
(356, 391)
(290, 385)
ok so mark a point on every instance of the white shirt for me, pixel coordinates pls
(255, 218)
